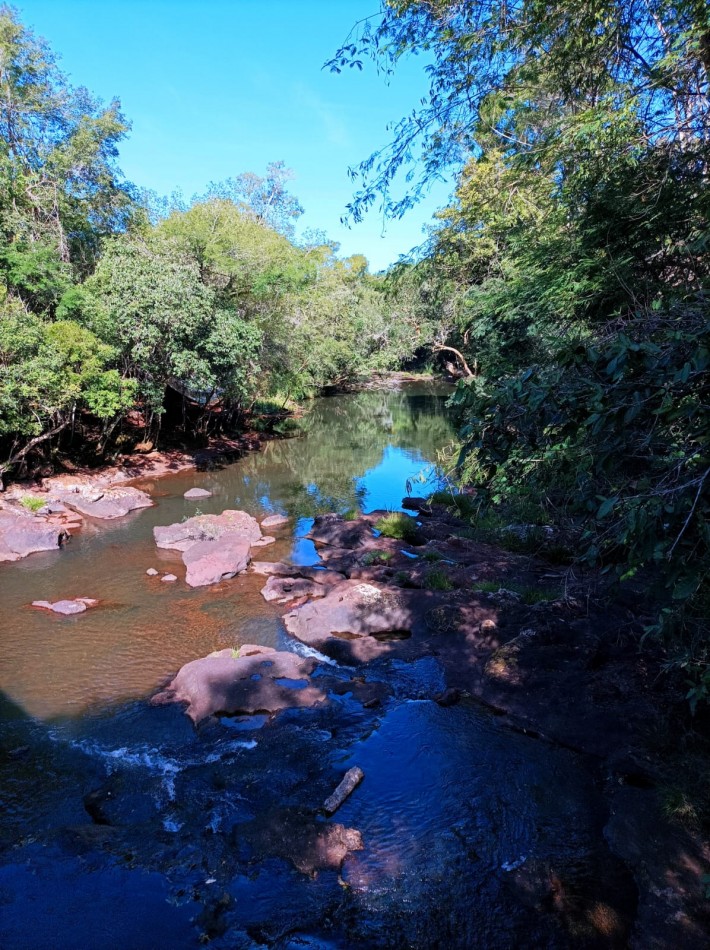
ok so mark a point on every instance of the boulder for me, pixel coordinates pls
(274, 521)
(209, 562)
(351, 611)
(281, 569)
(106, 504)
(67, 607)
(197, 493)
(151, 572)
(169, 578)
(23, 533)
(253, 679)
(334, 531)
(284, 589)
(181, 535)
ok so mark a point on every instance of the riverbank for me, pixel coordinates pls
(520, 754)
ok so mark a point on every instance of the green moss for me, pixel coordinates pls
(432, 556)
(352, 514)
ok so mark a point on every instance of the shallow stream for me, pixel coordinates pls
(125, 826)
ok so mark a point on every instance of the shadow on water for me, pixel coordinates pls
(125, 826)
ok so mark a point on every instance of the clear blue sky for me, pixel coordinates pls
(217, 87)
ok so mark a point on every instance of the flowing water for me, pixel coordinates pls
(125, 826)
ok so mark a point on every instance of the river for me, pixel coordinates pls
(123, 825)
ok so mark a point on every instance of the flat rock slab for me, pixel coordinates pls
(181, 535)
(67, 607)
(104, 503)
(197, 493)
(23, 533)
(209, 562)
(352, 611)
(281, 569)
(334, 531)
(274, 521)
(262, 542)
(253, 679)
(285, 589)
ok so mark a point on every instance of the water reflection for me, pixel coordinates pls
(355, 451)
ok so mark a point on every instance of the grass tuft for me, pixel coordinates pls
(31, 503)
(399, 526)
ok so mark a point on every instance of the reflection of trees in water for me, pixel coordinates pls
(344, 437)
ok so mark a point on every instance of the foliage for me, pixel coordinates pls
(436, 579)
(400, 526)
(153, 303)
(574, 263)
(32, 503)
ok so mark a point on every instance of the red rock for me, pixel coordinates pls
(241, 681)
(274, 521)
(67, 607)
(182, 534)
(209, 562)
(105, 504)
(23, 533)
(197, 493)
(262, 542)
(352, 608)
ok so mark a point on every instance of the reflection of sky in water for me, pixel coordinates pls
(385, 485)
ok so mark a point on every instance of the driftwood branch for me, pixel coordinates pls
(439, 347)
(14, 459)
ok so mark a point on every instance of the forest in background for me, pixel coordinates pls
(568, 279)
(113, 299)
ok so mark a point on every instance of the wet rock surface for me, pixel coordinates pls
(214, 547)
(77, 605)
(103, 503)
(250, 680)
(197, 493)
(22, 533)
(504, 745)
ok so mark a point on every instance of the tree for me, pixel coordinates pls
(59, 184)
(265, 199)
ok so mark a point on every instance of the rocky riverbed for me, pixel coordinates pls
(509, 753)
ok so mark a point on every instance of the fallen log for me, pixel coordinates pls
(350, 782)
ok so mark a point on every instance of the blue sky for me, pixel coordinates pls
(218, 87)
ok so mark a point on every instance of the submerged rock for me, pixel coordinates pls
(296, 836)
(253, 679)
(67, 607)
